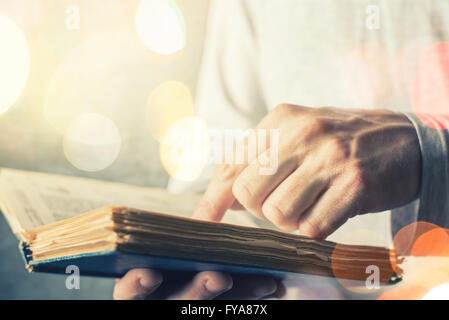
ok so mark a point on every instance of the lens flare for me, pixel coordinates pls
(440, 292)
(91, 142)
(184, 148)
(429, 95)
(14, 63)
(167, 103)
(94, 77)
(422, 239)
(421, 276)
(423, 249)
(160, 26)
(405, 241)
(433, 243)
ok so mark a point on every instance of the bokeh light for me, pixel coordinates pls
(99, 75)
(91, 142)
(366, 75)
(423, 249)
(413, 240)
(421, 276)
(422, 239)
(160, 26)
(184, 148)
(429, 95)
(14, 63)
(440, 292)
(433, 243)
(168, 102)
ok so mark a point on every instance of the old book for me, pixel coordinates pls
(108, 228)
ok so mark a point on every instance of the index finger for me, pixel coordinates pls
(218, 196)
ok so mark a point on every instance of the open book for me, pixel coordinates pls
(108, 228)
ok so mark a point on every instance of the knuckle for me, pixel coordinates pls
(335, 149)
(305, 130)
(314, 124)
(281, 107)
(285, 109)
(275, 214)
(241, 189)
(225, 172)
(356, 177)
(311, 126)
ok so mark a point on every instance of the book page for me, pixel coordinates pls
(31, 199)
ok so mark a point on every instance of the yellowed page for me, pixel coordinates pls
(31, 199)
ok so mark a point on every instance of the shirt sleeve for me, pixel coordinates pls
(433, 202)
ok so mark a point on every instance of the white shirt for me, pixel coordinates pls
(346, 53)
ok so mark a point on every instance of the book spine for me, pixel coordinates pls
(27, 255)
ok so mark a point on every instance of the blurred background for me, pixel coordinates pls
(87, 88)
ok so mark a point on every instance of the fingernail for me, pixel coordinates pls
(199, 214)
(148, 283)
(214, 287)
(204, 210)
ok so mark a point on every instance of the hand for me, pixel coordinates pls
(153, 284)
(333, 164)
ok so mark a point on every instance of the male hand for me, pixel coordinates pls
(333, 164)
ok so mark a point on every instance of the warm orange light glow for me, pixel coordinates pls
(424, 251)
(433, 243)
(405, 238)
(362, 269)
